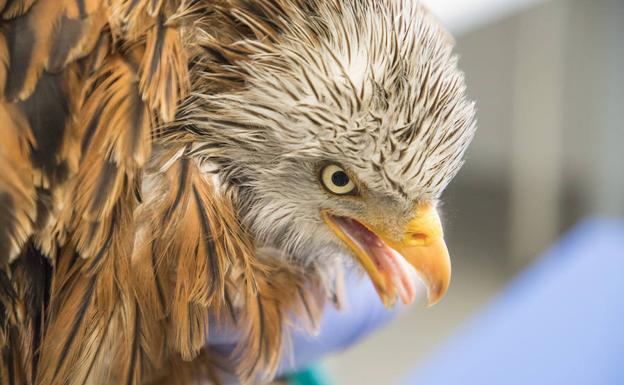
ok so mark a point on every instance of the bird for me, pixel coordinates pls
(169, 167)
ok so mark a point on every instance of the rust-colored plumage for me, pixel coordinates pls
(146, 155)
(99, 284)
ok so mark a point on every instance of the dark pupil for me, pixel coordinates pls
(340, 179)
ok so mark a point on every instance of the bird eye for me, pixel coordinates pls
(336, 180)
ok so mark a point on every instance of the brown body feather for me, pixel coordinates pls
(116, 250)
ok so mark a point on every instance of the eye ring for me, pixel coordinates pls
(337, 181)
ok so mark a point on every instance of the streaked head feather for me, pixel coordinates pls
(371, 82)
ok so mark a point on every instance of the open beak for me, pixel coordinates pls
(395, 267)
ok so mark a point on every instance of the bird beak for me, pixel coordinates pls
(396, 267)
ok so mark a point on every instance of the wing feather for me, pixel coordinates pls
(164, 71)
(117, 250)
(14, 8)
(17, 192)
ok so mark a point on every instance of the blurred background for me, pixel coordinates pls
(548, 79)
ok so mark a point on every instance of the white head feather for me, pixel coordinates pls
(371, 85)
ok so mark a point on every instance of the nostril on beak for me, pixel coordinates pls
(417, 239)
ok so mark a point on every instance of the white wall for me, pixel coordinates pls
(461, 16)
(549, 86)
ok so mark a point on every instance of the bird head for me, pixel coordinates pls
(337, 125)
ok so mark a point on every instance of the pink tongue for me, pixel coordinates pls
(388, 262)
(391, 267)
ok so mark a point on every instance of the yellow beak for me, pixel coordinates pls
(421, 246)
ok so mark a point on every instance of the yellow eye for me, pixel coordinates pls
(336, 180)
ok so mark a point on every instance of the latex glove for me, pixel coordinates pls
(362, 314)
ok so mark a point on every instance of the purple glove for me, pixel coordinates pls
(362, 314)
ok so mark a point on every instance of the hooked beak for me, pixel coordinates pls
(395, 267)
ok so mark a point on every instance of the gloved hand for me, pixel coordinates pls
(362, 314)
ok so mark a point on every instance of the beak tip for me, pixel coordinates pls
(435, 293)
(431, 302)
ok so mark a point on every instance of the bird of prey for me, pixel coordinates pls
(168, 167)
